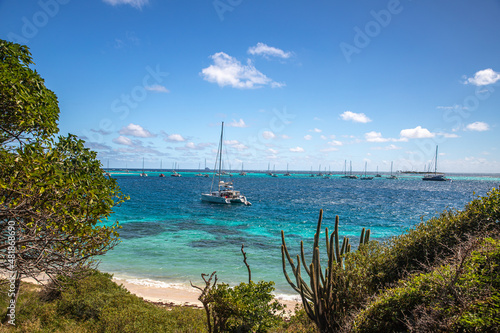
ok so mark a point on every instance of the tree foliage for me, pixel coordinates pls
(28, 110)
(53, 193)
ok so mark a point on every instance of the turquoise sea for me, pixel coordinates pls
(169, 237)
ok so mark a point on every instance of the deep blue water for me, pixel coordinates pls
(169, 235)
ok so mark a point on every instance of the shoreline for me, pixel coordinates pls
(181, 295)
(174, 294)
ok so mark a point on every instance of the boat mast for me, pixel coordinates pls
(436, 163)
(220, 151)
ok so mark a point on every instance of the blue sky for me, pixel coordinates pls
(303, 83)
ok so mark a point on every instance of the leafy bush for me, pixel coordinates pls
(298, 323)
(462, 295)
(248, 307)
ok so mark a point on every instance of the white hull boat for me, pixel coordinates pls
(225, 194)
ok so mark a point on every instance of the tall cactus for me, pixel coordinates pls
(321, 298)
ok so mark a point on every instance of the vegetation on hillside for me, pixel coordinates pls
(441, 275)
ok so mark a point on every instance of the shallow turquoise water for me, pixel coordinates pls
(170, 236)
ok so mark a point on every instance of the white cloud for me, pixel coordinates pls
(268, 135)
(416, 133)
(157, 88)
(265, 50)
(174, 138)
(271, 150)
(335, 143)
(484, 77)
(192, 146)
(136, 130)
(134, 3)
(308, 137)
(389, 147)
(375, 137)
(235, 144)
(227, 70)
(123, 140)
(284, 136)
(297, 149)
(235, 123)
(240, 147)
(392, 147)
(478, 126)
(355, 117)
(329, 149)
(316, 130)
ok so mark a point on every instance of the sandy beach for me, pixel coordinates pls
(176, 295)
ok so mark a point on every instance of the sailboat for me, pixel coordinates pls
(175, 173)
(225, 194)
(439, 177)
(312, 174)
(378, 174)
(107, 173)
(288, 174)
(269, 173)
(392, 176)
(274, 171)
(161, 168)
(319, 171)
(206, 169)
(143, 174)
(350, 175)
(242, 173)
(199, 174)
(365, 177)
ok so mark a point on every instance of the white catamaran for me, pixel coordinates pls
(225, 194)
(436, 176)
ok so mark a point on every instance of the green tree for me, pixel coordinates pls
(28, 110)
(53, 193)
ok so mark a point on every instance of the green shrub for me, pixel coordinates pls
(436, 238)
(461, 296)
(248, 307)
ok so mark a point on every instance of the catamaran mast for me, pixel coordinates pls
(436, 159)
(220, 151)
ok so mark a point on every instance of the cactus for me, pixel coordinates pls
(320, 298)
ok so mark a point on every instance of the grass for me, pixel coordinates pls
(96, 304)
